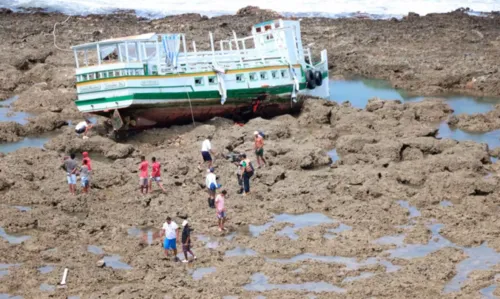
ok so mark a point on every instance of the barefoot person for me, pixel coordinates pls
(211, 183)
(221, 209)
(247, 171)
(259, 148)
(83, 127)
(84, 176)
(206, 150)
(170, 230)
(186, 241)
(155, 175)
(70, 167)
(143, 175)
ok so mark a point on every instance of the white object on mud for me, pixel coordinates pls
(65, 275)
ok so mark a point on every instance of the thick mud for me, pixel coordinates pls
(371, 223)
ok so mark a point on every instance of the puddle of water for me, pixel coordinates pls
(445, 203)
(238, 251)
(260, 284)
(230, 297)
(23, 209)
(491, 138)
(231, 236)
(7, 296)
(74, 297)
(397, 240)
(147, 234)
(358, 92)
(210, 243)
(95, 249)
(298, 221)
(413, 210)
(488, 291)
(333, 154)
(333, 232)
(200, 272)
(363, 275)
(37, 142)
(493, 160)
(113, 261)
(47, 287)
(4, 269)
(6, 113)
(46, 269)
(11, 238)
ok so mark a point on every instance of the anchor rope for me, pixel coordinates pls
(54, 35)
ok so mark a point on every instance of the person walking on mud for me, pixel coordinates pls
(143, 175)
(84, 176)
(70, 167)
(221, 209)
(206, 150)
(155, 175)
(186, 241)
(259, 148)
(247, 172)
(211, 183)
(170, 230)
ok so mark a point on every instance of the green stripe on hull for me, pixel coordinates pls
(246, 93)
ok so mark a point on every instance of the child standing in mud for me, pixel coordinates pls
(84, 176)
(155, 175)
(143, 175)
(221, 209)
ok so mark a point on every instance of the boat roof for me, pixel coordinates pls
(134, 38)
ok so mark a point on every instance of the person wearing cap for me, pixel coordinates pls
(206, 150)
(170, 230)
(221, 209)
(211, 183)
(259, 148)
(186, 241)
(83, 127)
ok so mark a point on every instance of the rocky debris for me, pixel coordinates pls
(40, 98)
(256, 11)
(478, 122)
(11, 131)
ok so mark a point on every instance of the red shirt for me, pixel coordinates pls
(89, 163)
(156, 170)
(144, 169)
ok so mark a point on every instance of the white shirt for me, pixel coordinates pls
(211, 178)
(170, 230)
(206, 146)
(81, 125)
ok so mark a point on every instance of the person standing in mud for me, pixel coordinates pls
(259, 148)
(211, 183)
(155, 175)
(170, 230)
(89, 165)
(84, 176)
(206, 150)
(221, 209)
(186, 241)
(247, 171)
(70, 167)
(143, 175)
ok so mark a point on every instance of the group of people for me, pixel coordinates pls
(72, 169)
(146, 181)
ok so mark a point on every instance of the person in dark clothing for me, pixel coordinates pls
(186, 241)
(247, 171)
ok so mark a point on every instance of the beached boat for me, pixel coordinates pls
(153, 80)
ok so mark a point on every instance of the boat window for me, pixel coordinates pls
(212, 80)
(263, 75)
(84, 77)
(198, 81)
(277, 25)
(104, 75)
(258, 29)
(240, 78)
(253, 77)
(284, 73)
(110, 74)
(267, 27)
(91, 76)
(97, 75)
(275, 75)
(139, 72)
(117, 73)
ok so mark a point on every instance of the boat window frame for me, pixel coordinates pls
(265, 77)
(274, 74)
(202, 81)
(284, 73)
(253, 76)
(215, 82)
(242, 78)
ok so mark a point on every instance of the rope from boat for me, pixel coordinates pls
(189, 99)
(54, 34)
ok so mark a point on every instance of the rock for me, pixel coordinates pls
(256, 11)
(11, 131)
(55, 109)
(374, 104)
(119, 151)
(353, 143)
(100, 263)
(452, 120)
(316, 111)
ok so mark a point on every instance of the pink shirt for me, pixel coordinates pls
(155, 172)
(219, 201)
(144, 169)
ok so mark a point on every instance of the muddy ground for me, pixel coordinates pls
(388, 152)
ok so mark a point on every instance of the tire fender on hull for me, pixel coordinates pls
(310, 79)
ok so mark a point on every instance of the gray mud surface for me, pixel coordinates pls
(390, 181)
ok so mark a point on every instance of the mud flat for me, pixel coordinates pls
(371, 223)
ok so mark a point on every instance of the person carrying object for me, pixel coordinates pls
(247, 172)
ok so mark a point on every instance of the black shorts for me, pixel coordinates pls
(206, 156)
(80, 131)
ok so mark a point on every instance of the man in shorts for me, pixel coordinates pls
(211, 183)
(186, 241)
(83, 127)
(70, 167)
(143, 175)
(259, 148)
(84, 176)
(170, 230)
(221, 209)
(206, 150)
(155, 175)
